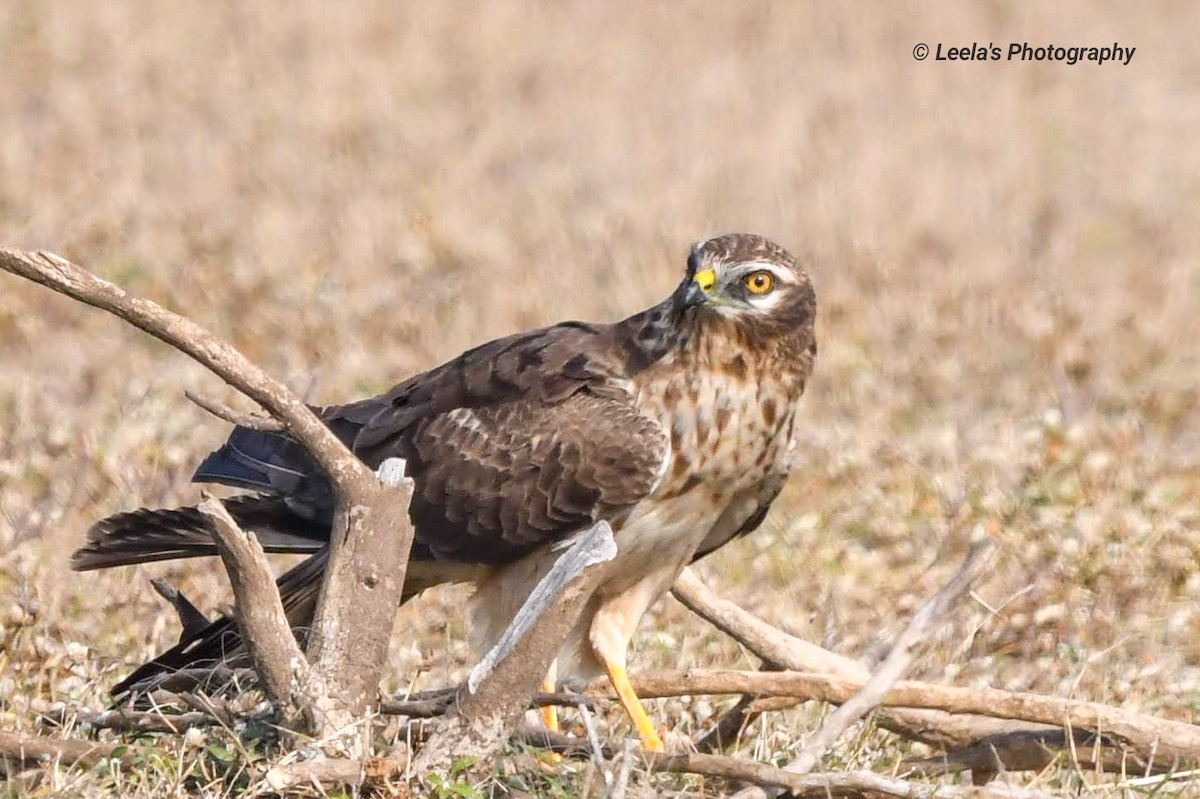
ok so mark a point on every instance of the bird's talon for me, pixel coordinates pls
(653, 744)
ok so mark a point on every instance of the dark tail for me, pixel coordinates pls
(221, 641)
(145, 535)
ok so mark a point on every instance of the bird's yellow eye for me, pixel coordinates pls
(760, 282)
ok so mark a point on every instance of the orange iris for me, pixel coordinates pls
(760, 282)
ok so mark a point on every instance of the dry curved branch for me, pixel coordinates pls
(826, 784)
(767, 642)
(190, 338)
(440, 702)
(1034, 751)
(371, 534)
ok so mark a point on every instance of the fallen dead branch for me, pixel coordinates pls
(1149, 739)
(924, 623)
(1034, 751)
(24, 749)
(824, 784)
(284, 673)
(438, 703)
(139, 721)
(204, 712)
(211, 679)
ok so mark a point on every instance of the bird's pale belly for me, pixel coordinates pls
(664, 531)
(654, 543)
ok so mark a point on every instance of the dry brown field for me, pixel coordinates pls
(1006, 256)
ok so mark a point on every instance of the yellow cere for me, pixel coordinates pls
(706, 279)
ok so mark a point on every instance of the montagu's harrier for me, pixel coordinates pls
(675, 426)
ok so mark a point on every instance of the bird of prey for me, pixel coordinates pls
(675, 425)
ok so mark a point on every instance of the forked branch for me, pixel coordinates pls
(370, 536)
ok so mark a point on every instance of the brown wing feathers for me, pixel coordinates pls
(496, 481)
(513, 443)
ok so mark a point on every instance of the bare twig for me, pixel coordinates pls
(871, 695)
(817, 786)
(253, 421)
(933, 727)
(147, 721)
(438, 703)
(163, 718)
(210, 678)
(821, 785)
(594, 744)
(559, 743)
(923, 624)
(621, 783)
(188, 337)
(190, 618)
(772, 645)
(320, 773)
(1034, 751)
(729, 726)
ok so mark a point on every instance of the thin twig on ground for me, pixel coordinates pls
(924, 623)
(816, 786)
(438, 703)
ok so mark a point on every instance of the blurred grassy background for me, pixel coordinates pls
(1005, 254)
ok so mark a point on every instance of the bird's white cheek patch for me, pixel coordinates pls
(767, 301)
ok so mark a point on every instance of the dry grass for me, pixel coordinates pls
(1007, 258)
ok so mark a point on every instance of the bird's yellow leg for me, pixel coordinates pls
(612, 627)
(633, 706)
(550, 685)
(549, 713)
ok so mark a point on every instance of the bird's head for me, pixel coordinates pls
(750, 281)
